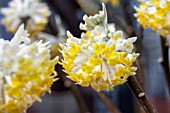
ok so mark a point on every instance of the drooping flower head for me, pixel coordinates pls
(26, 72)
(155, 14)
(32, 13)
(101, 58)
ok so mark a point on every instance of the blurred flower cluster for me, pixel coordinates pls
(26, 72)
(101, 58)
(155, 14)
(33, 13)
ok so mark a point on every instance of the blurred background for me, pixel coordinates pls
(66, 96)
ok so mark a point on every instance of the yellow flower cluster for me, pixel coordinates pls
(26, 72)
(156, 3)
(155, 14)
(28, 84)
(100, 58)
(33, 13)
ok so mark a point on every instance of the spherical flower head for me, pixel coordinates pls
(26, 72)
(101, 58)
(155, 14)
(32, 13)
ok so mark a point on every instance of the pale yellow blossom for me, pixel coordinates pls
(26, 72)
(155, 14)
(33, 13)
(101, 58)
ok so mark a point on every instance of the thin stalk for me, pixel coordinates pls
(132, 82)
(165, 62)
(140, 95)
(74, 90)
(130, 19)
(3, 91)
(81, 103)
(111, 107)
(3, 95)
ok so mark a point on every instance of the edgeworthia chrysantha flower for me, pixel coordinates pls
(155, 14)
(33, 13)
(101, 58)
(26, 72)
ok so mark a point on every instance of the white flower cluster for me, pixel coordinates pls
(32, 13)
(102, 57)
(98, 28)
(11, 50)
(25, 71)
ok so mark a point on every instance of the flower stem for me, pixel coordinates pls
(165, 62)
(111, 107)
(3, 91)
(140, 95)
(74, 90)
(3, 95)
(79, 98)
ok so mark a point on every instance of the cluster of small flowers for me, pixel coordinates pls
(101, 58)
(155, 14)
(26, 72)
(33, 13)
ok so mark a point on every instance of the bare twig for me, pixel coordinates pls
(130, 19)
(82, 106)
(2, 95)
(111, 107)
(132, 82)
(165, 62)
(74, 89)
(140, 95)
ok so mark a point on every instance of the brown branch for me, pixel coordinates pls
(2, 95)
(111, 107)
(130, 19)
(119, 23)
(140, 95)
(82, 106)
(74, 90)
(132, 82)
(165, 62)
